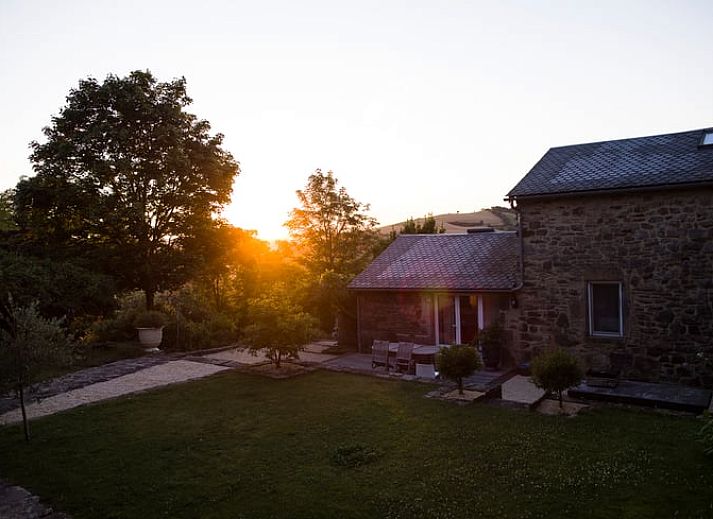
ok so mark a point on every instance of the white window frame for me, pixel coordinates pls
(592, 331)
(457, 322)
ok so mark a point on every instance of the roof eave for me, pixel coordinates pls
(589, 192)
(434, 289)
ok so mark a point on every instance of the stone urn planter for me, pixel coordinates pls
(150, 337)
(150, 325)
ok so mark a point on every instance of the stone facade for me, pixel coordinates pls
(658, 244)
(395, 316)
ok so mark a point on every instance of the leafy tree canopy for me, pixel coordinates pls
(332, 228)
(7, 211)
(28, 342)
(61, 288)
(457, 362)
(278, 326)
(556, 371)
(127, 172)
(427, 226)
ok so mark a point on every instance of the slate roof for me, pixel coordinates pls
(660, 160)
(455, 262)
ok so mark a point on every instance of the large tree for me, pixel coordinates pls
(331, 228)
(335, 238)
(126, 173)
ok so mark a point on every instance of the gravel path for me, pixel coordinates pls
(85, 377)
(158, 375)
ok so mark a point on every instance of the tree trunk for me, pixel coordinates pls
(150, 293)
(218, 295)
(559, 394)
(25, 423)
(460, 386)
(277, 359)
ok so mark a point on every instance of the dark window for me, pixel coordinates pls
(605, 315)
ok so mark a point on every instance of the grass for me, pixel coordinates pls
(335, 445)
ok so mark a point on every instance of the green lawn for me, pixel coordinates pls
(236, 445)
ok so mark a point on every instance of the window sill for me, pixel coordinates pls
(605, 337)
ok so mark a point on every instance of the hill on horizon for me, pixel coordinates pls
(500, 218)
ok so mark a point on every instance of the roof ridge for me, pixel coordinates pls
(668, 134)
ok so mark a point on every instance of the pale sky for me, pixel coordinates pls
(417, 107)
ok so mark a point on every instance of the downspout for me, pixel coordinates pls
(358, 324)
(513, 206)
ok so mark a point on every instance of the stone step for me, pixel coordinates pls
(521, 390)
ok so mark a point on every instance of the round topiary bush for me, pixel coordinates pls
(457, 362)
(556, 371)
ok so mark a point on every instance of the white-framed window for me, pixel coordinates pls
(457, 317)
(606, 315)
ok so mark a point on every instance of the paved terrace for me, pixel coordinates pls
(360, 363)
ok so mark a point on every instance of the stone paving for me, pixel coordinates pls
(521, 390)
(84, 378)
(360, 363)
(158, 375)
(312, 355)
(18, 503)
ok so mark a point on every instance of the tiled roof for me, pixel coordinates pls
(675, 158)
(467, 262)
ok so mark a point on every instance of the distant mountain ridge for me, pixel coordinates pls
(500, 218)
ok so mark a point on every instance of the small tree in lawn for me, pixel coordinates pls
(28, 341)
(556, 371)
(458, 362)
(279, 326)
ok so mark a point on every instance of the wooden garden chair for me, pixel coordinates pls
(380, 354)
(404, 357)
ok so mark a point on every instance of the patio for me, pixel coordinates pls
(361, 363)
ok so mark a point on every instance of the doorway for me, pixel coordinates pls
(458, 318)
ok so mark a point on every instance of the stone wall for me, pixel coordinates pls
(658, 244)
(395, 316)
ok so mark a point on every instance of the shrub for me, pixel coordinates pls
(279, 326)
(121, 326)
(187, 323)
(150, 319)
(705, 435)
(556, 371)
(215, 330)
(28, 343)
(492, 341)
(457, 362)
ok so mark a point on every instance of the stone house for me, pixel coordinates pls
(436, 288)
(617, 257)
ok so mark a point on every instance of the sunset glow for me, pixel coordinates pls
(416, 107)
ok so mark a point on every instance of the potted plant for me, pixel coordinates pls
(150, 327)
(492, 340)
